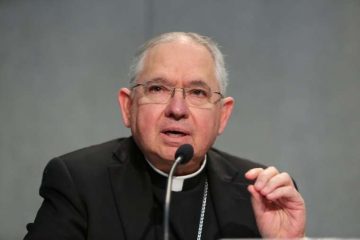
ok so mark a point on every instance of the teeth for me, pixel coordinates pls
(174, 133)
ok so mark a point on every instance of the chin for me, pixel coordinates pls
(167, 148)
(168, 156)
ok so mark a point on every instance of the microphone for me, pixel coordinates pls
(184, 153)
(182, 156)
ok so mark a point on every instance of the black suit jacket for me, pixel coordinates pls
(104, 192)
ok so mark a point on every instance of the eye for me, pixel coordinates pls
(198, 92)
(156, 89)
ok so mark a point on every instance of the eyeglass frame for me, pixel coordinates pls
(173, 89)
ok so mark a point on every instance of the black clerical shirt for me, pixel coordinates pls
(185, 209)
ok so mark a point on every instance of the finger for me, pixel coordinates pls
(256, 199)
(253, 173)
(279, 180)
(253, 192)
(288, 192)
(264, 177)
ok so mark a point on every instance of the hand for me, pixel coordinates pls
(278, 207)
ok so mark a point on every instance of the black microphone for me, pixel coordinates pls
(182, 155)
(185, 152)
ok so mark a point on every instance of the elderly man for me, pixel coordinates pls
(115, 190)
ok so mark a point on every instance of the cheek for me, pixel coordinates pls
(144, 119)
(207, 125)
(208, 120)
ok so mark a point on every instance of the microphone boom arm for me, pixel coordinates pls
(167, 198)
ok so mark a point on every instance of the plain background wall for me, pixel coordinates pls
(294, 71)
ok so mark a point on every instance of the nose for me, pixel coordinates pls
(177, 107)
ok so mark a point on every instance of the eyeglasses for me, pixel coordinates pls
(199, 96)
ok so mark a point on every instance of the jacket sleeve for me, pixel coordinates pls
(62, 214)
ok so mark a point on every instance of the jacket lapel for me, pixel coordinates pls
(228, 189)
(132, 189)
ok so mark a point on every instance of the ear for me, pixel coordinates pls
(226, 110)
(124, 99)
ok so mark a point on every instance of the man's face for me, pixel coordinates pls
(160, 128)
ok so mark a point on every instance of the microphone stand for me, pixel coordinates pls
(167, 198)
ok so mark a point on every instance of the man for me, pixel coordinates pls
(115, 190)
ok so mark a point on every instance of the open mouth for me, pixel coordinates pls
(175, 133)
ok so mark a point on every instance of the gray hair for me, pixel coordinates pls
(213, 48)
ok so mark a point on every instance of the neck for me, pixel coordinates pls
(181, 170)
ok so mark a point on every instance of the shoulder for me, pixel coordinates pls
(223, 162)
(103, 150)
(88, 161)
(232, 160)
(95, 155)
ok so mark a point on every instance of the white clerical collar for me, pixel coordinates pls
(178, 181)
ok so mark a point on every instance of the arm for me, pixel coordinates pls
(61, 215)
(279, 208)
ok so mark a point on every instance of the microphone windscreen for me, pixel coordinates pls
(186, 152)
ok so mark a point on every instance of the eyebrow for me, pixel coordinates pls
(198, 83)
(193, 83)
(158, 80)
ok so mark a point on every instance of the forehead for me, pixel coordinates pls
(179, 62)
